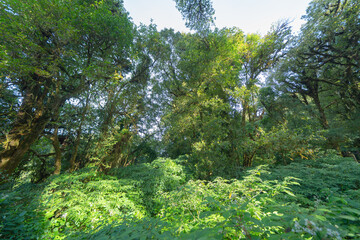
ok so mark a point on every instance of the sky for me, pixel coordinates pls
(252, 16)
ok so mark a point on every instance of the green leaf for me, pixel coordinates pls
(347, 217)
(22, 213)
(321, 218)
(324, 210)
(352, 210)
(289, 193)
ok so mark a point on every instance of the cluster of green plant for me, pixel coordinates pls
(321, 177)
(328, 190)
(161, 200)
(20, 215)
(208, 210)
(81, 84)
(85, 199)
(114, 131)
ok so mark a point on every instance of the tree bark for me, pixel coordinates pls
(322, 117)
(19, 143)
(243, 114)
(27, 128)
(247, 159)
(331, 142)
(73, 164)
(56, 145)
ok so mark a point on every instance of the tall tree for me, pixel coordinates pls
(322, 68)
(258, 56)
(51, 51)
(210, 80)
(198, 14)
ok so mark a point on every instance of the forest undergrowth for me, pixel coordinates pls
(307, 199)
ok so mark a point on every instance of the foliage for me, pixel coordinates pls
(157, 200)
(154, 179)
(231, 209)
(328, 190)
(321, 71)
(213, 85)
(198, 14)
(85, 199)
(322, 177)
(54, 51)
(282, 145)
(88, 102)
(21, 217)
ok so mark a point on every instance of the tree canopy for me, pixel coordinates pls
(107, 126)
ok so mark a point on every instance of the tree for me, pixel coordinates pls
(321, 69)
(50, 52)
(209, 81)
(193, 78)
(258, 56)
(198, 14)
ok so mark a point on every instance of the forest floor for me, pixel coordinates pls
(307, 199)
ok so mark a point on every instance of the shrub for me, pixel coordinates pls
(159, 200)
(85, 200)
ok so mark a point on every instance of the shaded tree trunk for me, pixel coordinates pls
(243, 114)
(19, 143)
(322, 117)
(247, 159)
(27, 128)
(56, 145)
(331, 141)
(73, 164)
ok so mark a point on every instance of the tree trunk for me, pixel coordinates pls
(322, 117)
(20, 142)
(243, 114)
(73, 164)
(247, 159)
(110, 108)
(332, 143)
(56, 145)
(27, 128)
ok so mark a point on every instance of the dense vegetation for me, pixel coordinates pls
(114, 131)
(162, 200)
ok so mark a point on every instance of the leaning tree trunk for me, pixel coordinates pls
(27, 128)
(19, 142)
(331, 141)
(322, 117)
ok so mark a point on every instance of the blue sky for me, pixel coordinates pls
(252, 16)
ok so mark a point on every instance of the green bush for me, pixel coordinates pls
(20, 217)
(322, 177)
(160, 200)
(153, 179)
(328, 193)
(85, 200)
(228, 208)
